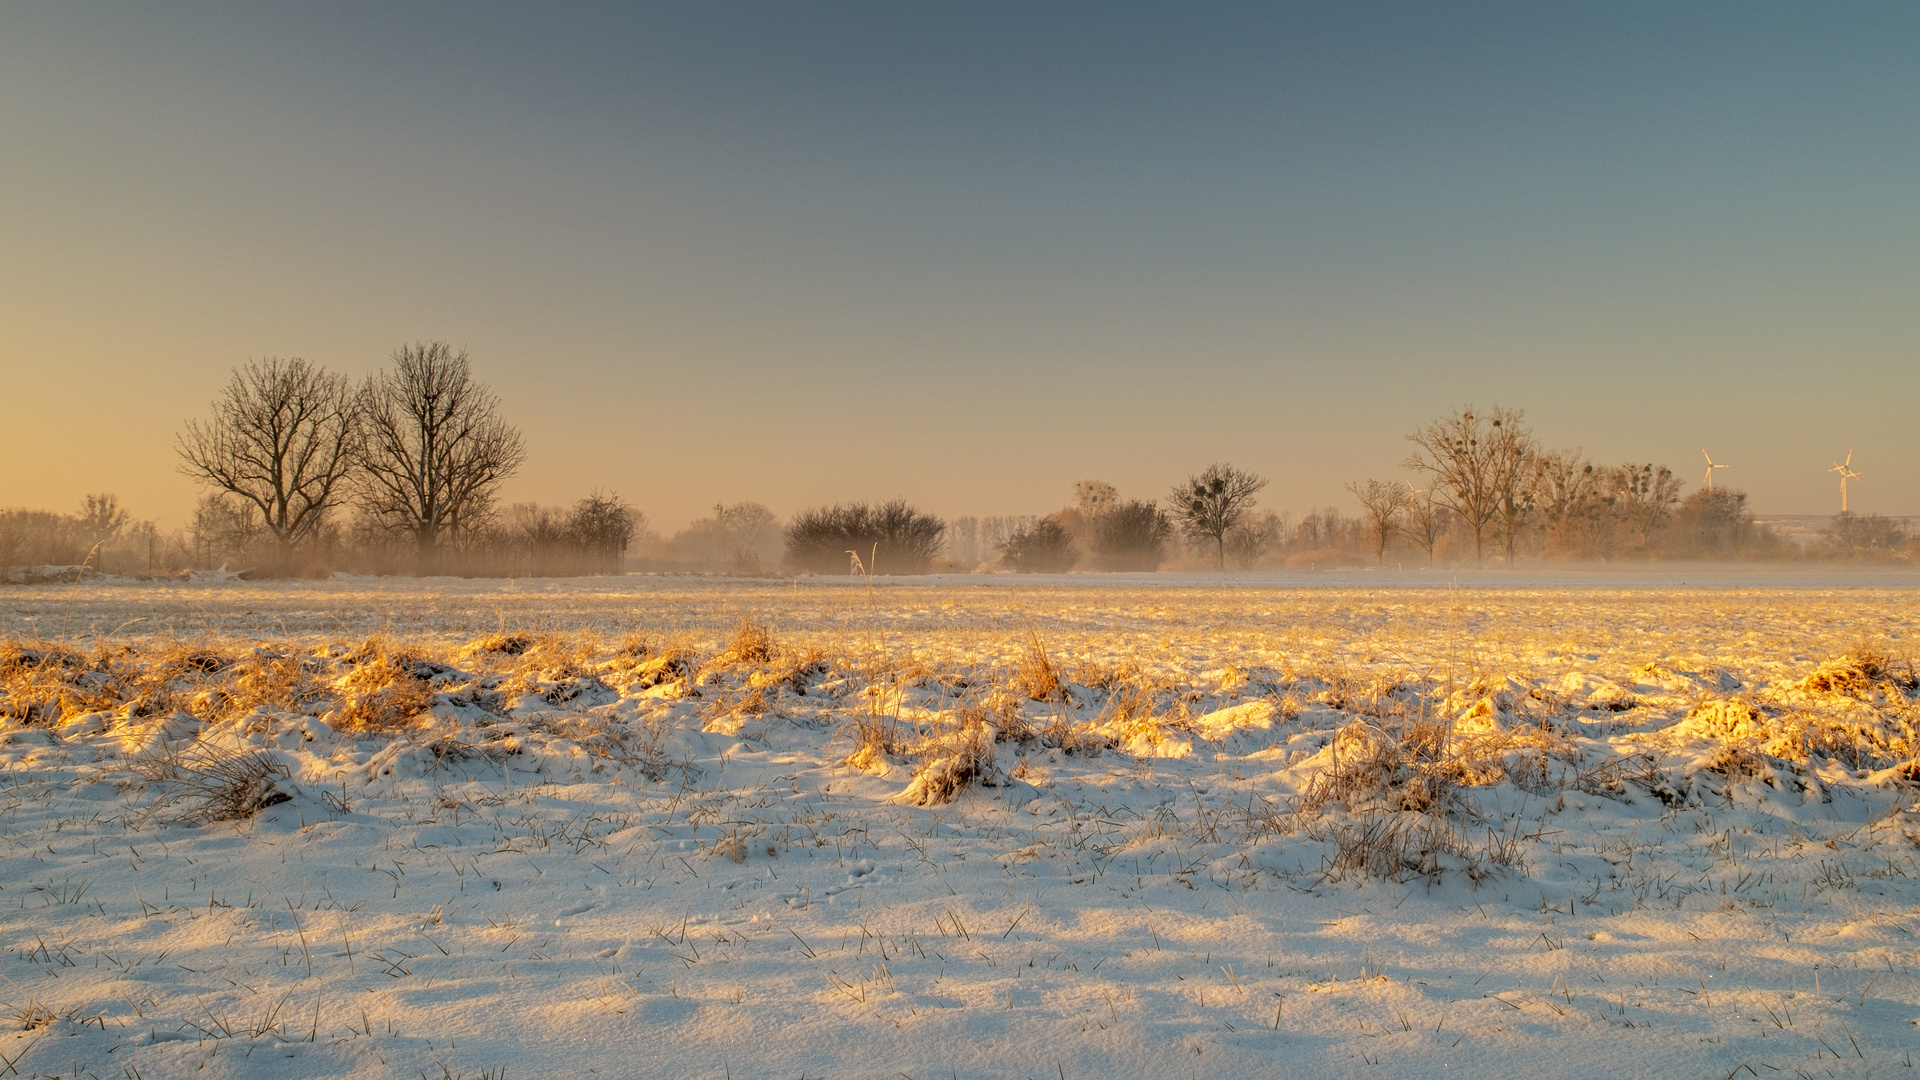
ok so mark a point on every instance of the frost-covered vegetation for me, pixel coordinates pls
(308, 830)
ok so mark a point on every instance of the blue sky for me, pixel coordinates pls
(970, 254)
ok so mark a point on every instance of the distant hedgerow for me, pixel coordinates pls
(889, 538)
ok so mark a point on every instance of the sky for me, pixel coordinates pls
(968, 254)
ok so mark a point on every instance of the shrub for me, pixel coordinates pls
(891, 537)
(1131, 536)
(1863, 538)
(601, 527)
(741, 538)
(1041, 548)
(1711, 522)
(1250, 538)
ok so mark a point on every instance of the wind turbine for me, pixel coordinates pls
(1845, 469)
(1710, 467)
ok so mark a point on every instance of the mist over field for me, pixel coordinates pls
(309, 475)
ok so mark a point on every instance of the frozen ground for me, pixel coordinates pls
(1519, 827)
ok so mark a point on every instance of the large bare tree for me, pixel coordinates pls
(282, 438)
(436, 448)
(1478, 466)
(1515, 453)
(1210, 504)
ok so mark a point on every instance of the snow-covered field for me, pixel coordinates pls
(1091, 827)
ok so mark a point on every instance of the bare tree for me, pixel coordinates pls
(1094, 497)
(282, 438)
(224, 529)
(602, 526)
(1599, 512)
(1425, 521)
(1208, 505)
(1381, 506)
(102, 520)
(436, 448)
(1567, 495)
(1252, 537)
(1643, 498)
(1478, 466)
(1513, 459)
(742, 537)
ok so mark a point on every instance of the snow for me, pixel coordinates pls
(574, 862)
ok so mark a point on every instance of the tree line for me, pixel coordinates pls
(1491, 488)
(418, 451)
(307, 471)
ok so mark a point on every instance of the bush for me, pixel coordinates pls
(1715, 523)
(1131, 536)
(1041, 548)
(1249, 540)
(38, 545)
(742, 538)
(1863, 538)
(891, 538)
(600, 528)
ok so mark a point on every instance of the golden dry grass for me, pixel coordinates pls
(1437, 691)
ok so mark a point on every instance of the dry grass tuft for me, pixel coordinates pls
(878, 734)
(955, 761)
(274, 681)
(1128, 721)
(795, 673)
(502, 644)
(1737, 762)
(1096, 675)
(670, 665)
(1857, 735)
(877, 739)
(216, 784)
(1416, 767)
(35, 1014)
(1400, 846)
(1727, 718)
(555, 658)
(1035, 676)
(1859, 673)
(16, 658)
(751, 644)
(383, 693)
(1389, 799)
(47, 685)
